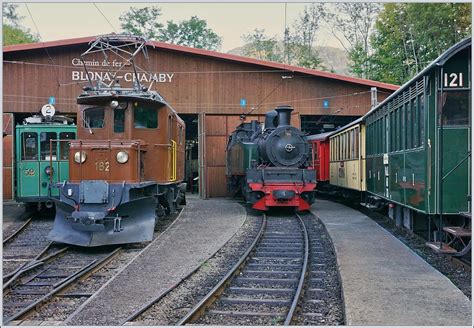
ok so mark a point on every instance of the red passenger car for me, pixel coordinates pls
(320, 157)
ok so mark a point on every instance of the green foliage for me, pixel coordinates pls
(13, 33)
(142, 21)
(10, 16)
(16, 35)
(409, 36)
(260, 46)
(191, 33)
(296, 47)
(351, 24)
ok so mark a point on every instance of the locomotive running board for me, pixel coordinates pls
(136, 225)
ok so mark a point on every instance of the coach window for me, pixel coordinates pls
(94, 118)
(352, 144)
(414, 112)
(456, 107)
(145, 117)
(348, 145)
(64, 145)
(397, 129)
(356, 141)
(409, 128)
(421, 115)
(48, 148)
(29, 146)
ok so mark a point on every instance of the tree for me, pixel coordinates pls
(351, 24)
(142, 21)
(301, 42)
(10, 16)
(409, 36)
(260, 46)
(13, 33)
(16, 35)
(191, 33)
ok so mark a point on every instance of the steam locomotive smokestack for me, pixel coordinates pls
(270, 119)
(284, 115)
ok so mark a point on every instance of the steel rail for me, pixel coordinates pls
(210, 297)
(43, 251)
(36, 262)
(296, 298)
(22, 227)
(84, 271)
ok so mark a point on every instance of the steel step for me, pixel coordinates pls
(458, 231)
(444, 249)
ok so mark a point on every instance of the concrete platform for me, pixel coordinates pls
(383, 281)
(202, 229)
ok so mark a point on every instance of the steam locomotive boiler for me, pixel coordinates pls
(269, 166)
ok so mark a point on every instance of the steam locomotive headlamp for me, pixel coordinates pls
(48, 170)
(122, 157)
(80, 157)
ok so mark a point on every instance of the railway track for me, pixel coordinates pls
(26, 293)
(266, 284)
(288, 275)
(17, 231)
(25, 245)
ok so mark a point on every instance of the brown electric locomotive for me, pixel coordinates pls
(127, 165)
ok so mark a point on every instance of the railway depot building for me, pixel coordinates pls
(209, 90)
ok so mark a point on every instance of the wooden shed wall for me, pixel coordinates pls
(191, 83)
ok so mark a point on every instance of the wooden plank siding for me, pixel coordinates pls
(210, 85)
(198, 84)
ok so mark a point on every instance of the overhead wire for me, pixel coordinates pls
(100, 11)
(45, 48)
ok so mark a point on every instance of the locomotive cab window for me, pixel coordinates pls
(48, 148)
(145, 117)
(64, 144)
(455, 107)
(29, 141)
(119, 120)
(94, 118)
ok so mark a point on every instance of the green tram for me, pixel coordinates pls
(41, 156)
(419, 151)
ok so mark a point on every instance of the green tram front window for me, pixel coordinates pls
(145, 117)
(45, 143)
(29, 141)
(456, 107)
(64, 145)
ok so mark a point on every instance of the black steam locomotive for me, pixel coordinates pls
(269, 166)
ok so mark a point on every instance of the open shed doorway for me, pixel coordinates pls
(191, 171)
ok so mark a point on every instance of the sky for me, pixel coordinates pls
(56, 21)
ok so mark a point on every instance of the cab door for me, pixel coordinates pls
(28, 167)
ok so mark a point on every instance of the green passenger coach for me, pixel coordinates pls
(41, 156)
(418, 146)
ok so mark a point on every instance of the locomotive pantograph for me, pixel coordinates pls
(127, 165)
